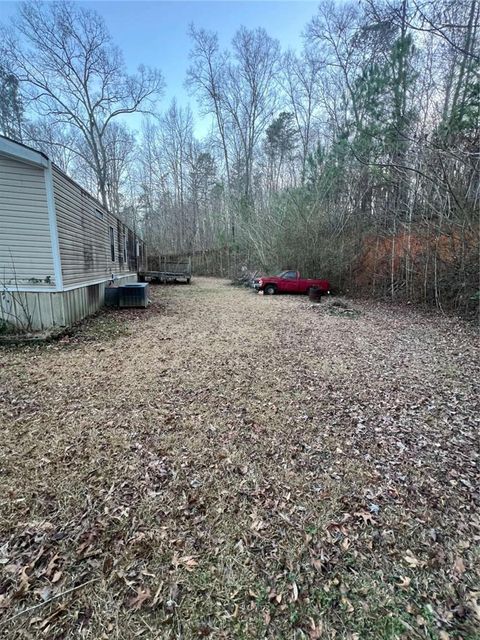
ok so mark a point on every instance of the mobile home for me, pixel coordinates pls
(59, 247)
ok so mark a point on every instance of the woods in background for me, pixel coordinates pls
(356, 159)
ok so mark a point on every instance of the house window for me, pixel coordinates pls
(125, 245)
(112, 244)
(137, 252)
(99, 214)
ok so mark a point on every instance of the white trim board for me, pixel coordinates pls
(52, 221)
(88, 284)
(19, 152)
(27, 289)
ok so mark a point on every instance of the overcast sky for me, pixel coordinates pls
(155, 33)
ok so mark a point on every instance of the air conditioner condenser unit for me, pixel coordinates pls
(133, 295)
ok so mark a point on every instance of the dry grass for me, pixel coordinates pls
(235, 466)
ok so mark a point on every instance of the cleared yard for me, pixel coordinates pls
(237, 466)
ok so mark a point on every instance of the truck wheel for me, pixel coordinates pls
(270, 289)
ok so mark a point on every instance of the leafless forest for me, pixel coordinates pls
(356, 159)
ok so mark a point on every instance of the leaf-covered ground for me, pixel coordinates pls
(229, 465)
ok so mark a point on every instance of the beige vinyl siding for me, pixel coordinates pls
(26, 258)
(84, 238)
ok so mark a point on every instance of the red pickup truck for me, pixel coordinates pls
(290, 282)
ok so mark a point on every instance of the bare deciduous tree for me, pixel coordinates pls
(11, 108)
(71, 72)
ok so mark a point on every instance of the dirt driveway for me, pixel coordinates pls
(229, 465)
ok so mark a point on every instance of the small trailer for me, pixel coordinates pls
(163, 269)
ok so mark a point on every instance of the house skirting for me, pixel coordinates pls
(39, 310)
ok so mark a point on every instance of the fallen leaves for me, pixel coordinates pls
(294, 592)
(188, 562)
(315, 629)
(404, 582)
(412, 561)
(141, 597)
(44, 623)
(459, 566)
(347, 604)
(474, 603)
(367, 517)
(228, 463)
(258, 525)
